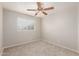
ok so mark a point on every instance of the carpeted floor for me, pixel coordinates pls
(39, 48)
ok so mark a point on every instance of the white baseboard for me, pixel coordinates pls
(20, 43)
(76, 51)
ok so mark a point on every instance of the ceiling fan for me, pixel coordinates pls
(40, 8)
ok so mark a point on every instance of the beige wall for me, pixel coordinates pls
(61, 26)
(1, 32)
(78, 25)
(12, 37)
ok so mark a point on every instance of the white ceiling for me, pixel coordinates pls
(23, 6)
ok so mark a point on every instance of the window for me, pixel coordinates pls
(24, 24)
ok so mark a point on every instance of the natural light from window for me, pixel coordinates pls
(24, 24)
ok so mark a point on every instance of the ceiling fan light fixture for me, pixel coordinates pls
(40, 8)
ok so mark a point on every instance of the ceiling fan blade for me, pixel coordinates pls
(36, 13)
(31, 10)
(49, 8)
(44, 13)
(39, 4)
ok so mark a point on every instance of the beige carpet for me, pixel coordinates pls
(39, 48)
